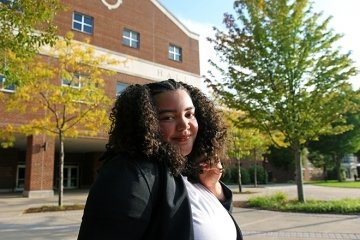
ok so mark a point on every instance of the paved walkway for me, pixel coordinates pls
(310, 191)
(261, 224)
(255, 224)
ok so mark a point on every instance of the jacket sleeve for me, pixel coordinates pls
(119, 204)
(228, 202)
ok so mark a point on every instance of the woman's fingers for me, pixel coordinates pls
(218, 169)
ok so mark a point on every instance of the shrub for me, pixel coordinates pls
(230, 176)
(268, 202)
(261, 174)
(280, 202)
(245, 176)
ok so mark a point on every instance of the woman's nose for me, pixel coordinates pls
(182, 124)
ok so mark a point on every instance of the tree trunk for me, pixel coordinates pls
(299, 173)
(239, 175)
(255, 169)
(61, 170)
(338, 167)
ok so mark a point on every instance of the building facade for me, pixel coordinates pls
(351, 167)
(155, 45)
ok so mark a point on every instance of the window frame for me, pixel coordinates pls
(70, 83)
(175, 53)
(83, 24)
(132, 40)
(124, 86)
(3, 88)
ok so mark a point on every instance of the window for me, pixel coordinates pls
(131, 38)
(7, 1)
(75, 82)
(6, 87)
(20, 177)
(175, 53)
(120, 87)
(71, 176)
(11, 3)
(83, 23)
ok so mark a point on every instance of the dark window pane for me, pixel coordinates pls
(88, 29)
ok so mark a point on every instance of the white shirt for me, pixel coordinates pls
(211, 220)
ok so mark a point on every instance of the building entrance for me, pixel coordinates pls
(71, 177)
(20, 177)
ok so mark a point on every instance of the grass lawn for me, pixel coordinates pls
(280, 202)
(334, 183)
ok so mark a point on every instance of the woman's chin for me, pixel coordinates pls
(185, 152)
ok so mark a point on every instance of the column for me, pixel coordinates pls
(39, 167)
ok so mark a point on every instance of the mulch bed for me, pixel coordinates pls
(54, 208)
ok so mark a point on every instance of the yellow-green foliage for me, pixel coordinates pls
(243, 140)
(69, 110)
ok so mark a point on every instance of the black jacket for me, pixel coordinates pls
(137, 199)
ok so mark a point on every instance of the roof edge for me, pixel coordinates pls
(175, 20)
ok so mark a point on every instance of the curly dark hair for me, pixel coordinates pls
(135, 128)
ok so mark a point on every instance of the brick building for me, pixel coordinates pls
(159, 46)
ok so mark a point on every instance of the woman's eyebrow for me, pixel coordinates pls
(162, 111)
(190, 108)
(166, 111)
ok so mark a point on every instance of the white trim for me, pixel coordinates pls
(175, 20)
(112, 6)
(138, 67)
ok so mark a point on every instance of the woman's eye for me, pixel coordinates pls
(166, 118)
(190, 115)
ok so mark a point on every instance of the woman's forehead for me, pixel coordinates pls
(173, 99)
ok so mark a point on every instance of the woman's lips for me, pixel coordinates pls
(182, 138)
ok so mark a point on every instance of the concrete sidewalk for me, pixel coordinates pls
(255, 224)
(261, 224)
(14, 204)
(310, 191)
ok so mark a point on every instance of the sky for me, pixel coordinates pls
(200, 16)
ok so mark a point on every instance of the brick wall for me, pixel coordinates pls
(39, 163)
(156, 30)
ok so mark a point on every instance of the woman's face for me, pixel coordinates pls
(178, 124)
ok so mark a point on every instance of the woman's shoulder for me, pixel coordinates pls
(122, 165)
(122, 171)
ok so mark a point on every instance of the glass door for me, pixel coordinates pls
(71, 176)
(20, 177)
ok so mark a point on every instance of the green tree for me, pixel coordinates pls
(245, 141)
(68, 90)
(281, 158)
(323, 161)
(280, 66)
(337, 146)
(25, 25)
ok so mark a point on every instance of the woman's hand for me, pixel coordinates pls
(210, 178)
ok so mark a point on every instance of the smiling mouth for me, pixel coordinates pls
(183, 139)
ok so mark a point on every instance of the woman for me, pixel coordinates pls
(161, 168)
